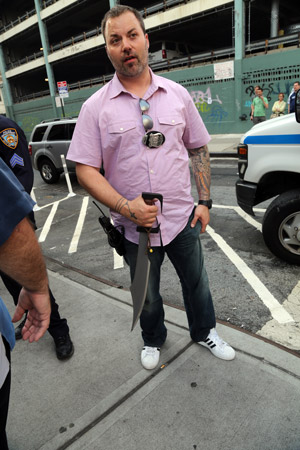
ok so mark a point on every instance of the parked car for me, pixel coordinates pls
(168, 50)
(48, 141)
(269, 166)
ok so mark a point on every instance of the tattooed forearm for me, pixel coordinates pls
(120, 205)
(201, 170)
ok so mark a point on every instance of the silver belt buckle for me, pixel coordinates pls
(153, 139)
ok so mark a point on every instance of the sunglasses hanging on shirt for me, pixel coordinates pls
(152, 139)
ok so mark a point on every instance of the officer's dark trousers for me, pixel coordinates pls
(58, 326)
(4, 401)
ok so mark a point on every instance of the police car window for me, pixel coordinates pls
(58, 133)
(39, 133)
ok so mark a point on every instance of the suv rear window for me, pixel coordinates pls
(71, 130)
(58, 133)
(39, 133)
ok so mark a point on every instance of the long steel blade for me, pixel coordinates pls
(141, 277)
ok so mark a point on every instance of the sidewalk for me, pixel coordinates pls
(102, 398)
(224, 144)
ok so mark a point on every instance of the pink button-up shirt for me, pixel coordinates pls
(110, 130)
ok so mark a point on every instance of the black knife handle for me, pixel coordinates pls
(151, 196)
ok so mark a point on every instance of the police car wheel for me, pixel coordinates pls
(281, 227)
(48, 171)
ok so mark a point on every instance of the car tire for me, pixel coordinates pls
(48, 171)
(281, 227)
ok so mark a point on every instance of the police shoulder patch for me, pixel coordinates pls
(9, 137)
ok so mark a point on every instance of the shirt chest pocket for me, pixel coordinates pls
(172, 120)
(121, 128)
(121, 137)
(171, 125)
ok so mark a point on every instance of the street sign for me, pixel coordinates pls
(62, 89)
(59, 102)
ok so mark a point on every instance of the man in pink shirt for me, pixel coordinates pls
(143, 129)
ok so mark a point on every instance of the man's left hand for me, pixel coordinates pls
(201, 214)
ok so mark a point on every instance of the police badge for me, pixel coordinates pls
(9, 137)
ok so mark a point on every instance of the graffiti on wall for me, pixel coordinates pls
(206, 104)
(217, 114)
(27, 123)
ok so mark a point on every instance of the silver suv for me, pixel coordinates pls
(49, 140)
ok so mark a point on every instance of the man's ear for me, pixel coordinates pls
(107, 52)
(147, 39)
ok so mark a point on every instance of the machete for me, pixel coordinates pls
(139, 285)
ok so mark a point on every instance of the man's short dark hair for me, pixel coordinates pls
(116, 11)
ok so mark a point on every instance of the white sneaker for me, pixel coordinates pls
(217, 346)
(150, 357)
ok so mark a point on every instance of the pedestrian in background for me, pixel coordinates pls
(14, 152)
(278, 107)
(121, 135)
(292, 98)
(258, 107)
(20, 257)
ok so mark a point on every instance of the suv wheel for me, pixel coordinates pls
(48, 171)
(281, 227)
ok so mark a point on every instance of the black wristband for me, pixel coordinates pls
(207, 203)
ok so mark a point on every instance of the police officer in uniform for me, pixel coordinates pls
(14, 152)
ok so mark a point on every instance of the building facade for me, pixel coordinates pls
(52, 54)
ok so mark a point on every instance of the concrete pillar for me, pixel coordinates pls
(239, 29)
(239, 45)
(274, 18)
(113, 3)
(45, 45)
(6, 90)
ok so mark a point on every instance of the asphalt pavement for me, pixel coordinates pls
(102, 398)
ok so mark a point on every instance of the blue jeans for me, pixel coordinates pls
(185, 253)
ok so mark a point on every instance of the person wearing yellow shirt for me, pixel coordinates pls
(278, 107)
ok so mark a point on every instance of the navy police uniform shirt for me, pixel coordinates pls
(15, 204)
(14, 151)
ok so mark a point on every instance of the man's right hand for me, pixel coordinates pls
(142, 213)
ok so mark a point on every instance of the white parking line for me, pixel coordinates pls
(58, 201)
(79, 226)
(32, 195)
(118, 261)
(48, 223)
(287, 334)
(276, 309)
(248, 218)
